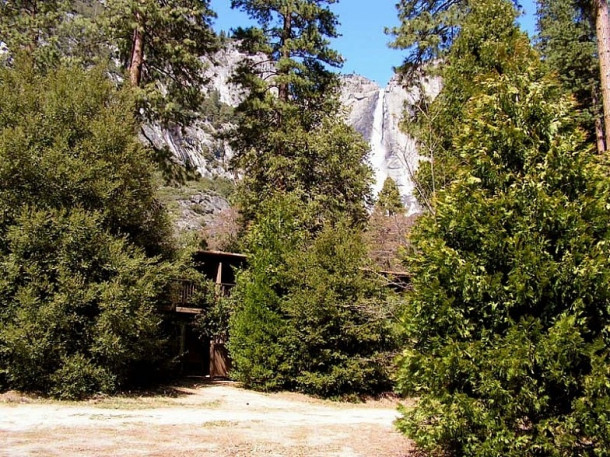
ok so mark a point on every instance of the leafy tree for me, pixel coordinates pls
(341, 335)
(307, 317)
(567, 41)
(289, 136)
(78, 224)
(510, 306)
(53, 31)
(68, 140)
(77, 306)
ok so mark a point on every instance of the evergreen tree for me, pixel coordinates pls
(161, 45)
(32, 26)
(79, 223)
(567, 41)
(290, 137)
(62, 150)
(427, 29)
(500, 47)
(304, 178)
(388, 200)
(510, 305)
(308, 317)
(257, 322)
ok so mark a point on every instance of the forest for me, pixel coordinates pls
(501, 338)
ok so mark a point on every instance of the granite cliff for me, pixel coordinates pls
(374, 111)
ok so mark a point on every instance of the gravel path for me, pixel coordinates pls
(209, 420)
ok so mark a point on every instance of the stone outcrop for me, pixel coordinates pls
(373, 111)
(377, 114)
(198, 210)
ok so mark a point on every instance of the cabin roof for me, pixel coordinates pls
(234, 255)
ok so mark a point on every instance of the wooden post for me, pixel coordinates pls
(219, 281)
(182, 344)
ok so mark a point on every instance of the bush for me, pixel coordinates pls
(308, 317)
(73, 295)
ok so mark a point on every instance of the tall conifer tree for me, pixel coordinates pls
(496, 47)
(290, 137)
(508, 316)
(427, 29)
(161, 43)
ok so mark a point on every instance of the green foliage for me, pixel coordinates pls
(255, 328)
(509, 314)
(78, 222)
(290, 137)
(490, 41)
(53, 31)
(427, 29)
(77, 306)
(340, 335)
(176, 35)
(307, 316)
(568, 43)
(388, 200)
(67, 139)
(32, 25)
(324, 166)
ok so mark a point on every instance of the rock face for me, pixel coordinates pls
(199, 210)
(374, 111)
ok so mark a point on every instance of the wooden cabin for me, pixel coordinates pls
(202, 357)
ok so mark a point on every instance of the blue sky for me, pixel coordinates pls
(363, 43)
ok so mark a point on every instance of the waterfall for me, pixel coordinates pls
(378, 149)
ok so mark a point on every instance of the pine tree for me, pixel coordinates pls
(388, 200)
(290, 137)
(510, 304)
(567, 41)
(160, 44)
(427, 29)
(307, 315)
(32, 26)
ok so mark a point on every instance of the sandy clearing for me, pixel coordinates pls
(209, 420)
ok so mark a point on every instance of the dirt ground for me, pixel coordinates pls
(217, 419)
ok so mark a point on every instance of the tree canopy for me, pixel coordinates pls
(290, 137)
(79, 225)
(507, 320)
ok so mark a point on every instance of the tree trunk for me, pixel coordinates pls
(283, 87)
(32, 44)
(137, 52)
(603, 45)
(599, 127)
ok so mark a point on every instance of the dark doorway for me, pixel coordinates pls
(196, 359)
